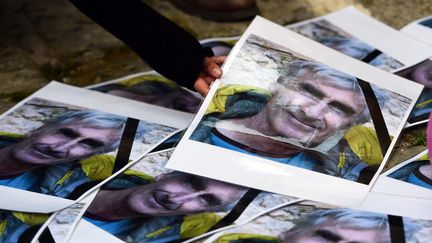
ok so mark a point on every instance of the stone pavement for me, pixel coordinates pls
(43, 40)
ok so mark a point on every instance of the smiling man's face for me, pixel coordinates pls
(63, 143)
(311, 111)
(182, 194)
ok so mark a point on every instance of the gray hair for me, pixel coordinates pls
(295, 69)
(344, 217)
(98, 120)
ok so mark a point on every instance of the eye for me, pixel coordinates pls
(311, 91)
(92, 143)
(342, 109)
(202, 201)
(339, 110)
(197, 183)
(210, 200)
(67, 132)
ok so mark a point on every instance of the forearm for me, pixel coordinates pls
(168, 49)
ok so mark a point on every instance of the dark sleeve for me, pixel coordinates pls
(167, 48)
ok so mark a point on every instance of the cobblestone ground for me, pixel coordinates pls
(43, 40)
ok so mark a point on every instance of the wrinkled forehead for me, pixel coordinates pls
(329, 78)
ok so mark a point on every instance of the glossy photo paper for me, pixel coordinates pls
(407, 182)
(61, 141)
(316, 222)
(150, 203)
(358, 35)
(291, 116)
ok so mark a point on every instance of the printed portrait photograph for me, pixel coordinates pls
(420, 73)
(417, 171)
(319, 223)
(152, 88)
(328, 34)
(54, 148)
(280, 106)
(150, 203)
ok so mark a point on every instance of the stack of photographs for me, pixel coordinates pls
(292, 144)
(63, 142)
(281, 120)
(149, 203)
(308, 221)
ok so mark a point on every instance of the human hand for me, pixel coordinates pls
(211, 71)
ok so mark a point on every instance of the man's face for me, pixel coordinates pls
(312, 111)
(182, 194)
(63, 143)
(331, 233)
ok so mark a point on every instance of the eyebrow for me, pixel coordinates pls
(328, 235)
(312, 90)
(319, 94)
(197, 183)
(71, 133)
(343, 107)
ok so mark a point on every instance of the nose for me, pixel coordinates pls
(180, 198)
(66, 146)
(316, 110)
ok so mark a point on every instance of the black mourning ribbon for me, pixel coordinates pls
(380, 128)
(239, 208)
(396, 227)
(372, 55)
(376, 115)
(126, 142)
(374, 108)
